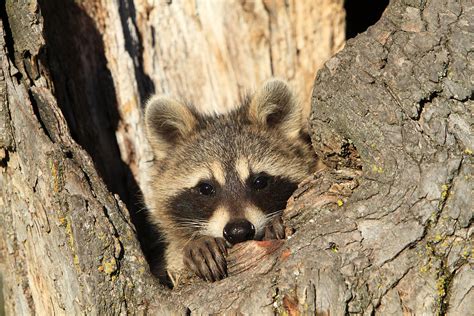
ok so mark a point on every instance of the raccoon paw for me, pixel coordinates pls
(275, 229)
(205, 257)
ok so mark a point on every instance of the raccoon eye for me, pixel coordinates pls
(260, 182)
(205, 188)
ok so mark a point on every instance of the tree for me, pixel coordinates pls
(386, 228)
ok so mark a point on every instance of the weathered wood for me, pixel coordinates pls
(84, 69)
(388, 232)
(67, 244)
(210, 53)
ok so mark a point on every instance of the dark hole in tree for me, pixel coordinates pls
(360, 14)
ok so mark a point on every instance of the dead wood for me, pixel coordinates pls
(386, 228)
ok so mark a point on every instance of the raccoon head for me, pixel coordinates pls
(226, 175)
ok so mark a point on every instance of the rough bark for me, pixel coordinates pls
(402, 94)
(387, 228)
(67, 244)
(79, 72)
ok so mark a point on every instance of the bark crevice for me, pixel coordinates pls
(385, 227)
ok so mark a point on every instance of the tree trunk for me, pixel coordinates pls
(387, 228)
(67, 244)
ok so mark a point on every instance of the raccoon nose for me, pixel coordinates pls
(238, 231)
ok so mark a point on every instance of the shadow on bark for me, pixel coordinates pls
(86, 94)
(134, 46)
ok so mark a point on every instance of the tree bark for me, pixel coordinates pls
(386, 229)
(67, 245)
(402, 95)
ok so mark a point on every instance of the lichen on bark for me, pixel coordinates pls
(386, 229)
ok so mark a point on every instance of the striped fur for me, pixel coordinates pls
(264, 136)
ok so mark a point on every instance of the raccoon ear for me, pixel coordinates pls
(167, 122)
(274, 106)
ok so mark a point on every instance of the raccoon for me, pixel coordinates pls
(219, 180)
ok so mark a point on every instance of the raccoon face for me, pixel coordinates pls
(226, 175)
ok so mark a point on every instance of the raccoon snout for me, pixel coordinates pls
(238, 231)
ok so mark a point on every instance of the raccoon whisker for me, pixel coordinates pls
(188, 221)
(185, 231)
(275, 213)
(188, 227)
(192, 220)
(143, 209)
(192, 223)
(272, 215)
(193, 236)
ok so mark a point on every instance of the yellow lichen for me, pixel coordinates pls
(438, 238)
(334, 248)
(66, 221)
(440, 286)
(444, 195)
(110, 266)
(340, 203)
(377, 169)
(62, 221)
(468, 253)
(56, 174)
(444, 192)
(101, 235)
(76, 260)
(467, 151)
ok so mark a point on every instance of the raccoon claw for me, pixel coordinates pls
(275, 229)
(206, 258)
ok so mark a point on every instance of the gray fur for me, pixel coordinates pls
(265, 132)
